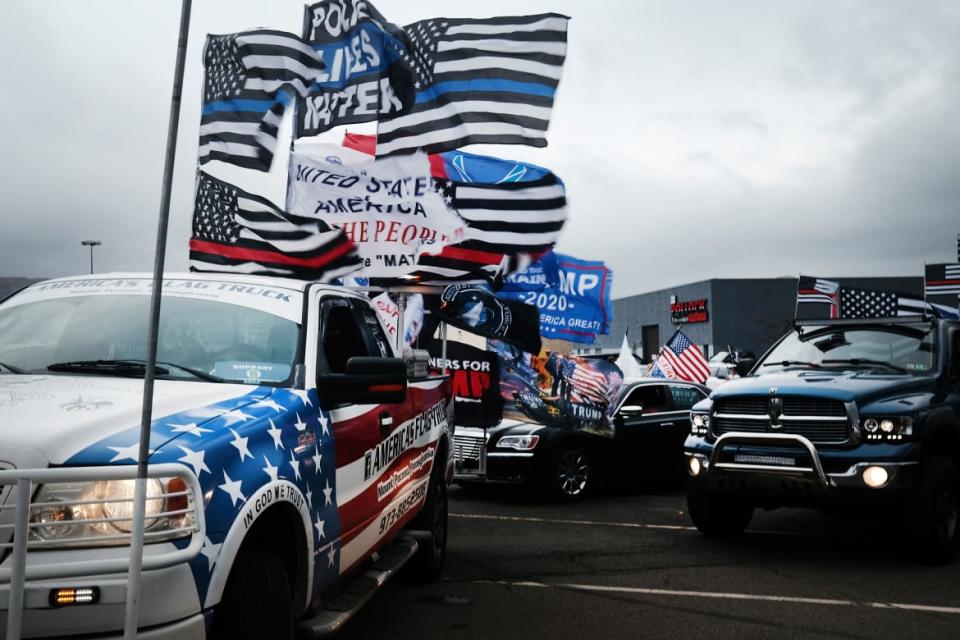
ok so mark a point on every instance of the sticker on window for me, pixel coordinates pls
(252, 372)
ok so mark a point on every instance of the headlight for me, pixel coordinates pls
(700, 424)
(521, 443)
(101, 513)
(887, 428)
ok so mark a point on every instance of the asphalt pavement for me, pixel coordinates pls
(631, 565)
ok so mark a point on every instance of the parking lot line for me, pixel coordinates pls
(728, 596)
(630, 525)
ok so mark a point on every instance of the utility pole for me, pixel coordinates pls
(97, 243)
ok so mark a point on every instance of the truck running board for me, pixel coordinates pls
(338, 611)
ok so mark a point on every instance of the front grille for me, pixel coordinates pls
(467, 447)
(818, 420)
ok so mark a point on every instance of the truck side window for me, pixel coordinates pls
(342, 338)
(374, 331)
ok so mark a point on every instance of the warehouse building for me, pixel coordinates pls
(744, 313)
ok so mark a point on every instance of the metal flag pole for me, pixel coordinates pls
(140, 488)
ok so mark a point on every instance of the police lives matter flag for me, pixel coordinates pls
(389, 209)
(365, 79)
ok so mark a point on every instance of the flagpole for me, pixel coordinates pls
(140, 488)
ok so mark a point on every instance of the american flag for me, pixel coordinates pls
(589, 385)
(873, 303)
(686, 359)
(942, 280)
(818, 291)
(478, 81)
(246, 88)
(237, 232)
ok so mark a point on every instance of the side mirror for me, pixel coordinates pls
(366, 381)
(630, 410)
(744, 366)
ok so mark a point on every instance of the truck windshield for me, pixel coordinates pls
(107, 335)
(899, 349)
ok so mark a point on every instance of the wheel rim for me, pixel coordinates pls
(947, 515)
(573, 472)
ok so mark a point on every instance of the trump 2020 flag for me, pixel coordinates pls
(238, 232)
(250, 78)
(490, 80)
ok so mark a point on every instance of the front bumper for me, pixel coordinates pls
(789, 469)
(170, 606)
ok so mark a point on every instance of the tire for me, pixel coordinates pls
(427, 564)
(936, 516)
(256, 602)
(572, 473)
(717, 515)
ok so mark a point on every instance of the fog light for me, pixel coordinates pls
(73, 596)
(871, 425)
(693, 466)
(875, 477)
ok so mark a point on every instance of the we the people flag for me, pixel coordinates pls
(390, 208)
(238, 232)
(512, 212)
(489, 80)
(249, 79)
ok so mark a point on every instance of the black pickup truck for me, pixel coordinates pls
(843, 415)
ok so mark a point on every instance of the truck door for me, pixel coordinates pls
(358, 429)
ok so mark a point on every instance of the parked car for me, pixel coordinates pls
(651, 420)
(291, 455)
(852, 415)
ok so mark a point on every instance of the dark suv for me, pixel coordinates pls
(848, 414)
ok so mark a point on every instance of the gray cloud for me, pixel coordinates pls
(697, 139)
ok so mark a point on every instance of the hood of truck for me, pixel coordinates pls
(57, 416)
(847, 386)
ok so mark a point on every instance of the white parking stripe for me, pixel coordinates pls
(729, 596)
(630, 525)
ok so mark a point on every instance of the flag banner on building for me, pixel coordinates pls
(512, 211)
(685, 359)
(551, 387)
(817, 298)
(365, 78)
(474, 308)
(578, 308)
(489, 81)
(941, 284)
(238, 232)
(475, 374)
(389, 209)
(389, 312)
(249, 79)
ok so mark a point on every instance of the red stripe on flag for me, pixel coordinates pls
(261, 256)
(471, 255)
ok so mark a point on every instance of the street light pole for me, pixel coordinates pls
(91, 244)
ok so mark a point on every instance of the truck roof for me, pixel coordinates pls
(271, 281)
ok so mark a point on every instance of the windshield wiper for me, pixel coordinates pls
(123, 367)
(203, 375)
(857, 362)
(792, 363)
(11, 368)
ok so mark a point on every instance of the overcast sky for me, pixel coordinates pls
(697, 139)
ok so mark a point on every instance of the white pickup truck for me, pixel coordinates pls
(290, 449)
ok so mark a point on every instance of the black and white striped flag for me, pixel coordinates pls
(478, 81)
(249, 80)
(238, 232)
(941, 284)
(507, 224)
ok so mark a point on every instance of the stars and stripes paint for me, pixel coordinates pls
(238, 232)
(941, 283)
(478, 81)
(249, 79)
(819, 292)
(686, 358)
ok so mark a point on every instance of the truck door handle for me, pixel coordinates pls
(666, 424)
(386, 424)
